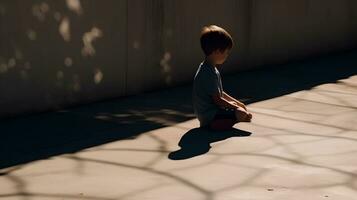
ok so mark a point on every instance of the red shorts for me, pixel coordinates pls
(226, 114)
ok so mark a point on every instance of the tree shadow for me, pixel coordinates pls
(45, 135)
(40, 136)
(197, 141)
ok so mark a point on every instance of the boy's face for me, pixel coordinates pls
(220, 56)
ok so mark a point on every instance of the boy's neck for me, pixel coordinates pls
(210, 61)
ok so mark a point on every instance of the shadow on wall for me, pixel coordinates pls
(56, 53)
(49, 134)
(273, 81)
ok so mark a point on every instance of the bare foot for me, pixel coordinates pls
(243, 116)
(249, 117)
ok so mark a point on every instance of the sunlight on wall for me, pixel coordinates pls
(6, 65)
(2, 10)
(11, 63)
(68, 62)
(3, 68)
(40, 11)
(75, 6)
(60, 75)
(98, 76)
(31, 34)
(165, 67)
(18, 54)
(165, 62)
(136, 44)
(88, 39)
(64, 29)
(57, 16)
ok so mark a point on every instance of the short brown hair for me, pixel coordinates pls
(215, 38)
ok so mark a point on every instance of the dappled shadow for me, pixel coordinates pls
(68, 131)
(281, 156)
(78, 57)
(197, 141)
(40, 136)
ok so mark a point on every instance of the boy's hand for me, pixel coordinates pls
(239, 105)
(234, 103)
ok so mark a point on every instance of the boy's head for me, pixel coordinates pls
(216, 43)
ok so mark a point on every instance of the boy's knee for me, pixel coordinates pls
(242, 115)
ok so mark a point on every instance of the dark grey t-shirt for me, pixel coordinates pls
(207, 82)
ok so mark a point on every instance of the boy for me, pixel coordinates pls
(213, 107)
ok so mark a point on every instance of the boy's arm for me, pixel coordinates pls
(229, 98)
(222, 102)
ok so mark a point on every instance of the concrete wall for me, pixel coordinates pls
(283, 30)
(163, 39)
(59, 53)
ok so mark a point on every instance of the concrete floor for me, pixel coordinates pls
(300, 145)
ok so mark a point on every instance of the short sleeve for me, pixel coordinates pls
(210, 84)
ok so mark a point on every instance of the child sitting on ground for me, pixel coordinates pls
(213, 107)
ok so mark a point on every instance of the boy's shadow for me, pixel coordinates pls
(197, 141)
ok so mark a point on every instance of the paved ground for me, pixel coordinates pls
(301, 144)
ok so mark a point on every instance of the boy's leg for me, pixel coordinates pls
(224, 120)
